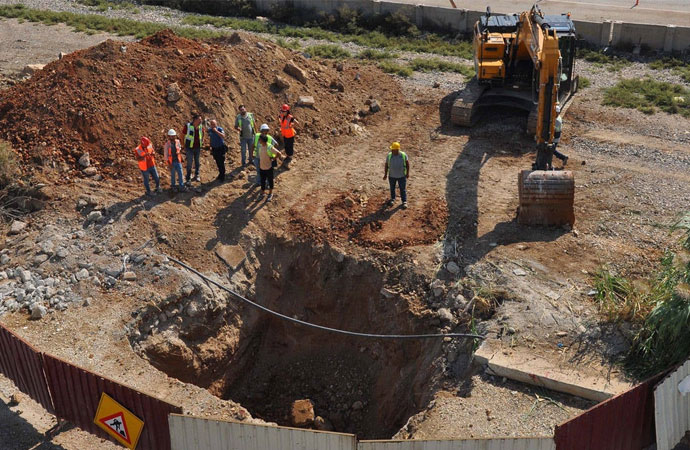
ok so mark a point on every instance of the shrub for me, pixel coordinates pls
(584, 82)
(8, 165)
(331, 51)
(438, 65)
(397, 69)
(376, 55)
(647, 95)
(611, 62)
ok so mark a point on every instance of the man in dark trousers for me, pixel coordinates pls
(218, 148)
(397, 170)
(193, 139)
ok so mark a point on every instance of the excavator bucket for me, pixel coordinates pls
(546, 197)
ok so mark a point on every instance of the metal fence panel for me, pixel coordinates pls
(623, 422)
(194, 433)
(672, 409)
(462, 444)
(23, 364)
(76, 393)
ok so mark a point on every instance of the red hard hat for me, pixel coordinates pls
(285, 107)
(145, 141)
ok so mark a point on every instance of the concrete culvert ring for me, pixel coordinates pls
(363, 386)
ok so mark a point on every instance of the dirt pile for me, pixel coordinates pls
(102, 99)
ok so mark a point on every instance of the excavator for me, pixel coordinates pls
(526, 61)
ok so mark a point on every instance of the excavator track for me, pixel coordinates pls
(547, 197)
(463, 112)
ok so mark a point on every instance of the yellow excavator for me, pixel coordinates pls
(526, 61)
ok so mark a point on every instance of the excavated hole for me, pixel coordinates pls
(363, 386)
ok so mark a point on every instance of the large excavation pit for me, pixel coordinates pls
(359, 385)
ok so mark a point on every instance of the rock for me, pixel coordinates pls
(294, 71)
(306, 100)
(129, 276)
(387, 293)
(453, 268)
(356, 406)
(61, 55)
(356, 130)
(179, 52)
(174, 92)
(4, 259)
(16, 399)
(30, 69)
(94, 216)
(24, 275)
(445, 315)
(302, 413)
(113, 272)
(437, 287)
(437, 84)
(85, 160)
(40, 259)
(340, 67)
(519, 272)
(47, 247)
(337, 86)
(374, 107)
(38, 311)
(561, 333)
(235, 39)
(511, 330)
(281, 83)
(62, 253)
(87, 301)
(90, 171)
(232, 255)
(17, 227)
(261, 45)
(322, 424)
(123, 49)
(83, 274)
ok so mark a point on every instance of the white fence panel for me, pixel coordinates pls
(193, 433)
(672, 408)
(464, 444)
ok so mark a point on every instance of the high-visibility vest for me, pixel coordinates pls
(250, 116)
(144, 157)
(189, 138)
(177, 153)
(271, 141)
(404, 156)
(269, 151)
(286, 126)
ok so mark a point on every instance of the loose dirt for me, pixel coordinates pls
(325, 250)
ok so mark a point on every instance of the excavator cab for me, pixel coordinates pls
(526, 61)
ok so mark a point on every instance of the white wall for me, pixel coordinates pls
(465, 444)
(671, 409)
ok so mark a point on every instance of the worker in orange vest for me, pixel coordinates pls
(288, 131)
(144, 155)
(172, 152)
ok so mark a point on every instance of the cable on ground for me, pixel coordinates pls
(321, 327)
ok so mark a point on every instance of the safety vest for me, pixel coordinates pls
(177, 152)
(286, 126)
(144, 157)
(270, 152)
(404, 156)
(250, 116)
(189, 138)
(271, 142)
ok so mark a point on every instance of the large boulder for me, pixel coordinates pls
(302, 413)
(295, 71)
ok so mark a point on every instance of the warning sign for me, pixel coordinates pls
(118, 421)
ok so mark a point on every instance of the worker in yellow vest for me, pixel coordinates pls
(397, 170)
(193, 140)
(147, 164)
(263, 131)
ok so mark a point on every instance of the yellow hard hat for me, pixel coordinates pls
(395, 146)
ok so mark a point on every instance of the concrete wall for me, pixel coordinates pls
(462, 444)
(657, 37)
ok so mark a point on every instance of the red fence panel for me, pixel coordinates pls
(623, 422)
(23, 364)
(76, 393)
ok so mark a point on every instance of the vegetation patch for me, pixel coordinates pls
(438, 65)
(583, 82)
(396, 69)
(648, 95)
(292, 44)
(376, 55)
(677, 66)
(612, 63)
(331, 51)
(8, 165)
(104, 5)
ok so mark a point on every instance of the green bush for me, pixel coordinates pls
(376, 55)
(610, 62)
(292, 44)
(397, 69)
(242, 8)
(647, 95)
(331, 51)
(677, 66)
(583, 82)
(438, 65)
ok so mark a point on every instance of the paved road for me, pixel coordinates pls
(667, 12)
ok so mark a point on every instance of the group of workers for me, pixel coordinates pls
(262, 147)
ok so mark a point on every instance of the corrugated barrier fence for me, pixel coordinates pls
(624, 422)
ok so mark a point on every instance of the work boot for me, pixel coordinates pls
(390, 202)
(197, 178)
(404, 205)
(565, 160)
(269, 198)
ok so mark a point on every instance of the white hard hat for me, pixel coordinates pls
(172, 132)
(264, 127)
(558, 109)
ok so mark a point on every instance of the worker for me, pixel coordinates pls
(218, 148)
(267, 155)
(193, 140)
(244, 124)
(147, 164)
(172, 152)
(263, 131)
(288, 132)
(397, 170)
(557, 136)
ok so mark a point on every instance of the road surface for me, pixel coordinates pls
(666, 12)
